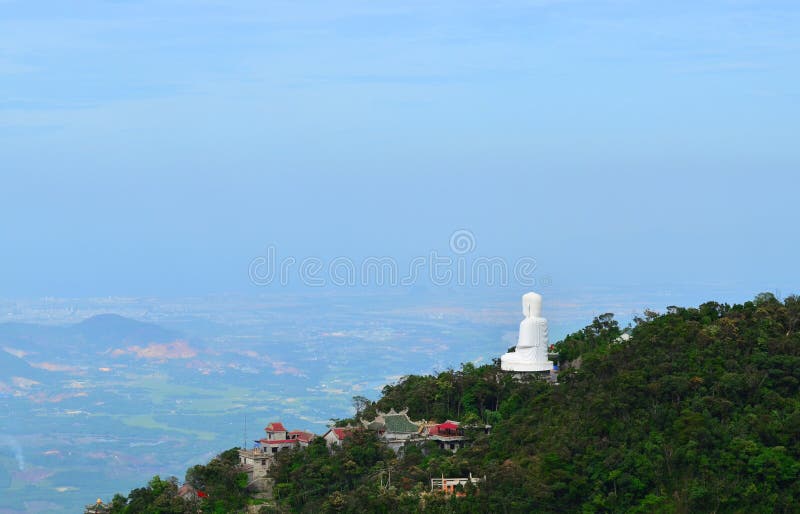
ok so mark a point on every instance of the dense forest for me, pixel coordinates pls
(692, 410)
(222, 482)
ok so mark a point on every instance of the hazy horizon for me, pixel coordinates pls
(157, 148)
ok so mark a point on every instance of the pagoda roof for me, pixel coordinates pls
(447, 425)
(446, 429)
(275, 426)
(393, 421)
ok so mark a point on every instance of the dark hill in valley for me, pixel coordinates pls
(107, 330)
(96, 334)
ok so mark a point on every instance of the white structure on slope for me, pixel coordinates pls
(531, 351)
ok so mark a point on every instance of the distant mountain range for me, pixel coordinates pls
(96, 334)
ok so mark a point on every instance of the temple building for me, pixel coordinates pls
(448, 435)
(97, 508)
(257, 461)
(394, 428)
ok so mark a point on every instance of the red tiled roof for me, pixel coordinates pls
(186, 490)
(277, 441)
(341, 433)
(301, 435)
(444, 429)
(275, 426)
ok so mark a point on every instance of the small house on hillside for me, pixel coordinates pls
(454, 485)
(189, 493)
(277, 438)
(336, 435)
(448, 435)
(257, 461)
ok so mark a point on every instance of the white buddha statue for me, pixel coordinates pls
(531, 351)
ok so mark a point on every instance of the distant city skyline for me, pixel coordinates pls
(158, 148)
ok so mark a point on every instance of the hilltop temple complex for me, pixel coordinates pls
(396, 429)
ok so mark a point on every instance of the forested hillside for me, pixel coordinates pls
(696, 411)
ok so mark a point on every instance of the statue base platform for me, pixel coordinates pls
(510, 364)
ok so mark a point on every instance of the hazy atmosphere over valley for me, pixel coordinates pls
(217, 215)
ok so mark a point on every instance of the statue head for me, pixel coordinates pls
(532, 305)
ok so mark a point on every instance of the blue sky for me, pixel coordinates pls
(156, 148)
